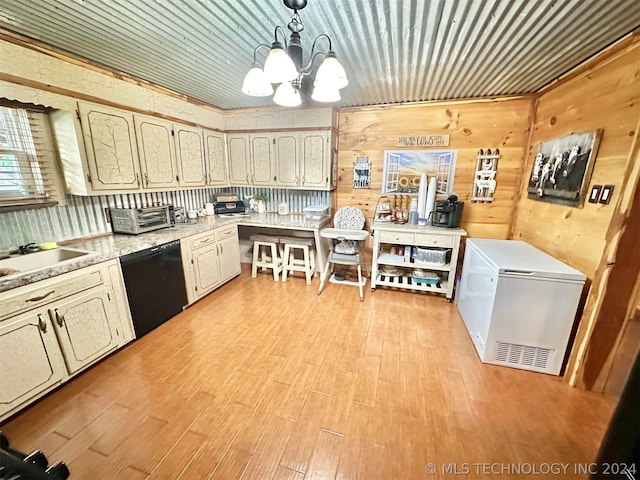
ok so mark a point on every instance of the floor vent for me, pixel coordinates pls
(525, 355)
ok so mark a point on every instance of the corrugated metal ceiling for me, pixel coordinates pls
(394, 50)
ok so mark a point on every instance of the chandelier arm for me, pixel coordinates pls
(322, 35)
(306, 70)
(255, 51)
(284, 35)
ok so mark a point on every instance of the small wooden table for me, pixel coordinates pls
(393, 270)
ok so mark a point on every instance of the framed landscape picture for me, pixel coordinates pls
(403, 168)
(562, 169)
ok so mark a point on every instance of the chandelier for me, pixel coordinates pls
(285, 66)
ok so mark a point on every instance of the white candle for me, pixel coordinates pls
(431, 198)
(422, 195)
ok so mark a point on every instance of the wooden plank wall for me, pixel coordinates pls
(604, 94)
(473, 125)
(607, 96)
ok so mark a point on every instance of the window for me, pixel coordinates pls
(27, 157)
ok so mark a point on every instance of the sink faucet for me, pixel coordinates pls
(28, 248)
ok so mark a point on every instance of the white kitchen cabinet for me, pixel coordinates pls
(190, 156)
(315, 160)
(52, 329)
(110, 146)
(210, 259)
(392, 269)
(216, 164)
(287, 160)
(229, 252)
(85, 327)
(261, 159)
(251, 160)
(31, 361)
(157, 153)
(238, 147)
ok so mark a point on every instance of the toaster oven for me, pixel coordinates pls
(140, 220)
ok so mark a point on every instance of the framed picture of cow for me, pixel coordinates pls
(562, 169)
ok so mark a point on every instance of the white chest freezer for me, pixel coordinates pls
(518, 304)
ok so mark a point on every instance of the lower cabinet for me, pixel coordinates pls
(85, 328)
(210, 259)
(31, 361)
(52, 329)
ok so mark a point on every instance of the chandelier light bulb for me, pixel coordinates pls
(279, 67)
(324, 93)
(287, 96)
(256, 84)
(331, 72)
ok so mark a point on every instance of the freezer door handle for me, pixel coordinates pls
(524, 273)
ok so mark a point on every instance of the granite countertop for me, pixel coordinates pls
(112, 246)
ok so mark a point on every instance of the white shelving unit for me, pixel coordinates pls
(388, 236)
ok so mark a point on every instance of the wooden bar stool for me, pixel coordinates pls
(266, 255)
(306, 264)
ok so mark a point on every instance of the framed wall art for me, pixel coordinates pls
(562, 169)
(403, 169)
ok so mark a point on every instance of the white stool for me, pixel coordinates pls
(306, 264)
(265, 255)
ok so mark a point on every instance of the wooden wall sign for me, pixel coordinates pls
(562, 169)
(423, 140)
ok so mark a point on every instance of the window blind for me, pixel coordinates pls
(27, 157)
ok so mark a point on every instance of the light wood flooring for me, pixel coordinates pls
(265, 380)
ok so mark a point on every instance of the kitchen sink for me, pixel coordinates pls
(30, 262)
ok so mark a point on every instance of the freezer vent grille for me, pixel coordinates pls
(525, 355)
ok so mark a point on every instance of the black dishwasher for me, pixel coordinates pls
(154, 281)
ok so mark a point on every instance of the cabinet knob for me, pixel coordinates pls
(42, 324)
(59, 318)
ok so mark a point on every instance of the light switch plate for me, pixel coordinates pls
(605, 196)
(595, 193)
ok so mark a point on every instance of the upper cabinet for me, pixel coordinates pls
(190, 153)
(109, 150)
(315, 160)
(110, 145)
(261, 159)
(124, 152)
(215, 160)
(251, 159)
(302, 160)
(157, 155)
(238, 145)
(288, 164)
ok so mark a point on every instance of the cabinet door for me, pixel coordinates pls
(111, 149)
(287, 155)
(30, 360)
(262, 159)
(206, 269)
(83, 327)
(315, 157)
(216, 165)
(229, 253)
(157, 153)
(238, 159)
(190, 156)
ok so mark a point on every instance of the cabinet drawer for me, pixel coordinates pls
(28, 297)
(226, 232)
(396, 237)
(203, 240)
(429, 240)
